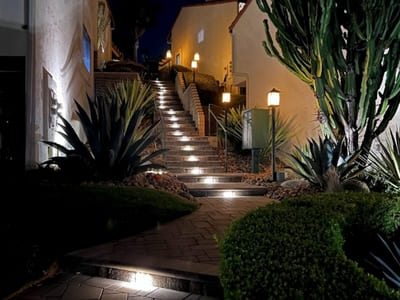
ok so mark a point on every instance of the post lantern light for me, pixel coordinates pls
(273, 102)
(196, 56)
(169, 56)
(226, 99)
(194, 67)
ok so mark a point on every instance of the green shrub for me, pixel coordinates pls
(295, 249)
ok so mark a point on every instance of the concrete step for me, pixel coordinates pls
(192, 157)
(205, 151)
(208, 286)
(210, 178)
(226, 190)
(197, 170)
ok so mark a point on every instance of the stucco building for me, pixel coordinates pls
(60, 44)
(228, 35)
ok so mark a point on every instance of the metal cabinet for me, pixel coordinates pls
(255, 132)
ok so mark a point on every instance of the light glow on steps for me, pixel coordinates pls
(187, 148)
(162, 107)
(184, 139)
(196, 170)
(228, 194)
(171, 111)
(141, 281)
(173, 119)
(210, 180)
(177, 133)
(175, 125)
(193, 158)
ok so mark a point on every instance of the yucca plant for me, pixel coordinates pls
(284, 130)
(387, 161)
(389, 264)
(322, 164)
(135, 93)
(115, 144)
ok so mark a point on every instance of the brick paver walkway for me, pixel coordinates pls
(185, 244)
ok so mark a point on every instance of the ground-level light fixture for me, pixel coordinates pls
(273, 102)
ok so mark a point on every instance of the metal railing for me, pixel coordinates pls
(218, 123)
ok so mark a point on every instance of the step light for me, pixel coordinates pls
(195, 170)
(141, 281)
(175, 125)
(177, 132)
(209, 180)
(184, 139)
(193, 158)
(173, 119)
(162, 107)
(187, 148)
(228, 194)
(171, 111)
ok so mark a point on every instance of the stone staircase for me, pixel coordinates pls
(188, 152)
(191, 157)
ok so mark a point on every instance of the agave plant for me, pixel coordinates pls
(115, 143)
(387, 162)
(389, 266)
(322, 164)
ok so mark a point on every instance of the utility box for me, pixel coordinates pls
(255, 125)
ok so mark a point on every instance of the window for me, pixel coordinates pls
(178, 59)
(86, 50)
(200, 36)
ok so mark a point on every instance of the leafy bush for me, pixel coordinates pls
(322, 164)
(295, 249)
(116, 140)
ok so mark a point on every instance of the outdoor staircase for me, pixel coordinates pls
(191, 157)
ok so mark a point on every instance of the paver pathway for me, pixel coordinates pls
(186, 244)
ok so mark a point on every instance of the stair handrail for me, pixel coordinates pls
(218, 123)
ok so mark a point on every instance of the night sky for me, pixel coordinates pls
(154, 40)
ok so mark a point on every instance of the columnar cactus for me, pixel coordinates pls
(348, 52)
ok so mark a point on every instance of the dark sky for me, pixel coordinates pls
(154, 40)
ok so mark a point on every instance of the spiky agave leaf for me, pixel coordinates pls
(389, 268)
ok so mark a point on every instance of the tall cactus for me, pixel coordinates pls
(348, 52)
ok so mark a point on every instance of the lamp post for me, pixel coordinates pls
(273, 102)
(194, 67)
(226, 99)
(169, 56)
(196, 57)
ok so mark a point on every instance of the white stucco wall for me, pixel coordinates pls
(57, 49)
(262, 73)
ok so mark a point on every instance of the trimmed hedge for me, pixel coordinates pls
(295, 249)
